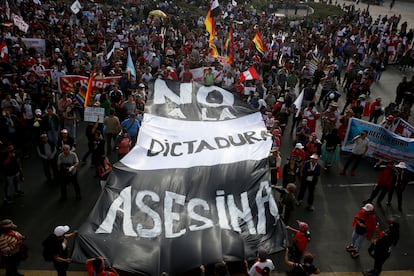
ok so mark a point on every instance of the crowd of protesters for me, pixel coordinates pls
(324, 59)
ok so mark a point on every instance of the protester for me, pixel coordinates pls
(364, 225)
(384, 183)
(400, 182)
(301, 268)
(11, 245)
(47, 152)
(262, 262)
(67, 163)
(311, 171)
(132, 126)
(14, 177)
(290, 172)
(359, 149)
(301, 238)
(56, 248)
(381, 247)
(274, 165)
(113, 127)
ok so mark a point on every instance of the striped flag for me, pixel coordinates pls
(258, 42)
(130, 67)
(213, 49)
(250, 74)
(210, 26)
(229, 47)
(89, 89)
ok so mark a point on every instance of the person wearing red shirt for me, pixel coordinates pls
(301, 239)
(96, 267)
(298, 154)
(384, 183)
(364, 224)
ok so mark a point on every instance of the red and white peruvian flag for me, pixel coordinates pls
(250, 74)
(4, 52)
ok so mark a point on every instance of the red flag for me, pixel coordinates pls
(4, 52)
(250, 74)
(89, 89)
(258, 42)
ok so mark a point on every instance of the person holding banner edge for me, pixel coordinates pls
(360, 148)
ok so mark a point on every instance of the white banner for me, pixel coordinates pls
(92, 114)
(19, 22)
(191, 143)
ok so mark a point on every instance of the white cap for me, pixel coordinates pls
(401, 165)
(57, 50)
(61, 230)
(368, 207)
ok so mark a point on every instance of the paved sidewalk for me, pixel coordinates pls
(406, 9)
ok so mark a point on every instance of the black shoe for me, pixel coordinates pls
(8, 200)
(62, 199)
(78, 197)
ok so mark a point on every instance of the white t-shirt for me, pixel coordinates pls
(258, 266)
(360, 145)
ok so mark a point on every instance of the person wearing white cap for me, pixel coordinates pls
(401, 178)
(364, 224)
(311, 171)
(56, 248)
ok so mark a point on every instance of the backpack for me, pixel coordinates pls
(48, 245)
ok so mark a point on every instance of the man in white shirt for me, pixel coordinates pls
(262, 263)
(360, 148)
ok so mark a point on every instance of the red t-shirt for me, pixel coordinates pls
(91, 272)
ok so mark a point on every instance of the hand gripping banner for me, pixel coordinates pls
(194, 190)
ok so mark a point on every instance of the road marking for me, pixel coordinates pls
(358, 185)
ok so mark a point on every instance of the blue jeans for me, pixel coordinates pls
(357, 240)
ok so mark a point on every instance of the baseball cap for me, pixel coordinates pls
(38, 112)
(401, 165)
(368, 207)
(303, 226)
(61, 230)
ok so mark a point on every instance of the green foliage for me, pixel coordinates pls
(324, 10)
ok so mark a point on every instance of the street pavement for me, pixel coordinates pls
(337, 199)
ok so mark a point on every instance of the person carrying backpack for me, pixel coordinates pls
(301, 269)
(96, 267)
(55, 249)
